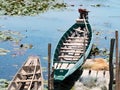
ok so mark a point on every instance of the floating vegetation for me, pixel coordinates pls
(3, 51)
(8, 35)
(28, 7)
(26, 46)
(21, 49)
(96, 51)
(98, 5)
(3, 84)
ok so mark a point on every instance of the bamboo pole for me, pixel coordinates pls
(49, 59)
(111, 64)
(117, 62)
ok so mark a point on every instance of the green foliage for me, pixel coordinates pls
(27, 7)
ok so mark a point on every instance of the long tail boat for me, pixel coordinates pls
(29, 77)
(73, 48)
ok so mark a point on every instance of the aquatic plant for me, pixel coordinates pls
(3, 84)
(27, 7)
(9, 35)
(96, 51)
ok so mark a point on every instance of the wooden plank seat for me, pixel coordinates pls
(21, 81)
(71, 51)
(25, 74)
(70, 59)
(70, 48)
(74, 44)
(67, 56)
(76, 41)
(64, 65)
(82, 38)
(63, 61)
(29, 67)
(80, 20)
(79, 30)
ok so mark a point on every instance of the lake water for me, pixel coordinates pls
(48, 27)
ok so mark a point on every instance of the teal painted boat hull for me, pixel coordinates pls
(61, 73)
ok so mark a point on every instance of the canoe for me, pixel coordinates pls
(29, 77)
(73, 48)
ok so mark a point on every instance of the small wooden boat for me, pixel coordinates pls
(29, 77)
(73, 48)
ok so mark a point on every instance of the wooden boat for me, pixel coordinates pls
(73, 48)
(29, 77)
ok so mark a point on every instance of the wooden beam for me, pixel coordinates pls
(32, 78)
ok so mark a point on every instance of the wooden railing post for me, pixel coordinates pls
(111, 63)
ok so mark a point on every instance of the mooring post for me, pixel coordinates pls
(111, 64)
(52, 79)
(119, 70)
(117, 62)
(49, 60)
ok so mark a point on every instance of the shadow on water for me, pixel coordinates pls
(69, 82)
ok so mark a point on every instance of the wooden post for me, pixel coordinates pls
(117, 62)
(52, 79)
(111, 64)
(119, 69)
(49, 59)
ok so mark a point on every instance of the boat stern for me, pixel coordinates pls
(59, 74)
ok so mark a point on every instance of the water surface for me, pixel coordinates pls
(48, 27)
